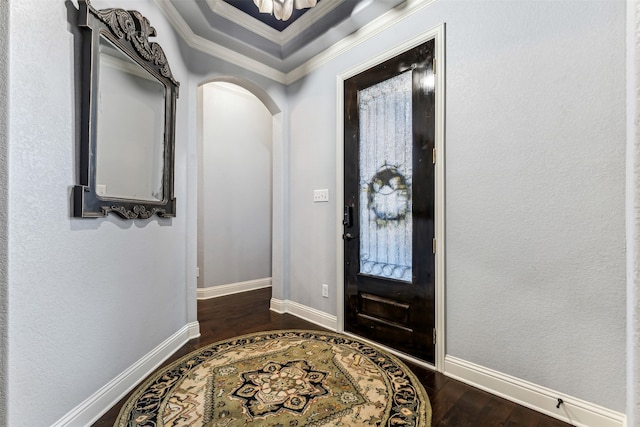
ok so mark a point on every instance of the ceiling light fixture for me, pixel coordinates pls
(282, 9)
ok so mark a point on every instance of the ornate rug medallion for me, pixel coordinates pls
(282, 379)
(273, 387)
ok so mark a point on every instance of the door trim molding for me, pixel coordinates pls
(438, 34)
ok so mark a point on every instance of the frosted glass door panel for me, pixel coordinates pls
(385, 178)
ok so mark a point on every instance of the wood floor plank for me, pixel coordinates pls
(467, 409)
(495, 413)
(546, 421)
(454, 403)
(445, 400)
(522, 417)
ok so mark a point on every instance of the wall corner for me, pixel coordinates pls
(632, 212)
(4, 145)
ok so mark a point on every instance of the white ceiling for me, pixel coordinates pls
(216, 25)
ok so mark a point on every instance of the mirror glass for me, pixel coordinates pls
(129, 155)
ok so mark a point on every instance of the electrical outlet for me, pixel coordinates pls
(325, 290)
(321, 195)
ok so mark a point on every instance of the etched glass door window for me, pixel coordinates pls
(385, 178)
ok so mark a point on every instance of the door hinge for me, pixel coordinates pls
(434, 245)
(433, 156)
(434, 65)
(434, 335)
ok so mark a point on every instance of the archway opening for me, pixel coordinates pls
(235, 188)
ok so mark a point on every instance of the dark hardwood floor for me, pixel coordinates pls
(454, 404)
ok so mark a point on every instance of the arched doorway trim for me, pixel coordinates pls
(279, 176)
(260, 93)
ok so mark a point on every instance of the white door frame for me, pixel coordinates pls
(437, 34)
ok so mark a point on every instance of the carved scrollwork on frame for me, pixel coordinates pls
(136, 29)
(128, 98)
(137, 211)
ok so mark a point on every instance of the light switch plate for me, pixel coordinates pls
(321, 195)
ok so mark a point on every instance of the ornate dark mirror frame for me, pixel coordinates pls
(129, 32)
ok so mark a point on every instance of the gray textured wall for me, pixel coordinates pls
(234, 213)
(535, 187)
(633, 214)
(88, 298)
(4, 134)
(535, 193)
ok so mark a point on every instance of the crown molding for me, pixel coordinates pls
(214, 49)
(368, 31)
(229, 12)
(247, 22)
(308, 19)
(365, 33)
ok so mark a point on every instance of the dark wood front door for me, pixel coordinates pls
(388, 221)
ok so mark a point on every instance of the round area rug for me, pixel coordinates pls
(283, 379)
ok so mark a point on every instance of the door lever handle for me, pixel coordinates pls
(348, 236)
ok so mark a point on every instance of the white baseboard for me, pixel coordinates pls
(193, 330)
(233, 288)
(306, 313)
(573, 410)
(102, 400)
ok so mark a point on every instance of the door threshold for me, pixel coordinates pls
(393, 351)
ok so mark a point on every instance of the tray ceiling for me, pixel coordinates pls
(238, 26)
